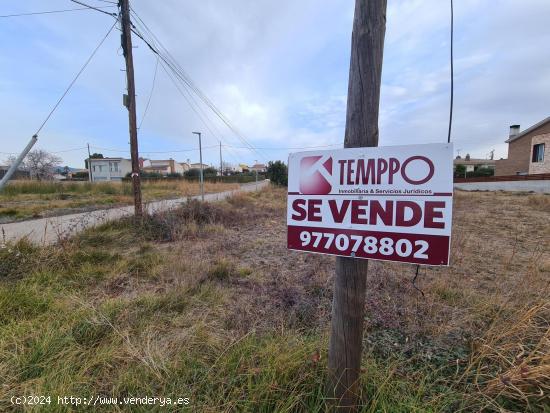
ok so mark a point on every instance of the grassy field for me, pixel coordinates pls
(208, 303)
(34, 199)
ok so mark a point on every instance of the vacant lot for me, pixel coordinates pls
(33, 199)
(207, 303)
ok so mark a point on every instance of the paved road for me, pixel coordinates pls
(48, 230)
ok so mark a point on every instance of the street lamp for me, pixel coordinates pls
(201, 174)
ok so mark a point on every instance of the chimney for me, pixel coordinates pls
(514, 130)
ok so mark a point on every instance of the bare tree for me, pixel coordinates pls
(10, 160)
(41, 164)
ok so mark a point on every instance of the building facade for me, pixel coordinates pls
(528, 151)
(161, 166)
(110, 169)
(198, 166)
(473, 164)
(19, 173)
(259, 167)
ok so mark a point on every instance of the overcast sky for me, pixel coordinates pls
(277, 69)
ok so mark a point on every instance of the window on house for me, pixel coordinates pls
(100, 168)
(94, 168)
(538, 153)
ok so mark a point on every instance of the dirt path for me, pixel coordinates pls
(48, 230)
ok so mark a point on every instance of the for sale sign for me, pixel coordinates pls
(384, 203)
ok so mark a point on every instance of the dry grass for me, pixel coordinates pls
(210, 300)
(540, 202)
(33, 199)
(511, 362)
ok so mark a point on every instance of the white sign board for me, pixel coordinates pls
(387, 203)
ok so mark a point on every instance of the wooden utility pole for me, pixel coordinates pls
(89, 164)
(127, 50)
(344, 358)
(221, 162)
(201, 171)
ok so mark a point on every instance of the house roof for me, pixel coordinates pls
(156, 168)
(107, 159)
(530, 129)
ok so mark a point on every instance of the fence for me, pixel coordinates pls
(232, 179)
(533, 177)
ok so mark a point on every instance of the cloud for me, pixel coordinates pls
(279, 71)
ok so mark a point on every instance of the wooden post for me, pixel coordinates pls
(344, 358)
(89, 164)
(127, 49)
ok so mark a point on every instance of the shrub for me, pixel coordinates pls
(171, 225)
(17, 259)
(277, 172)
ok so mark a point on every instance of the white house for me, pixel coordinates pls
(162, 166)
(198, 166)
(110, 169)
(185, 166)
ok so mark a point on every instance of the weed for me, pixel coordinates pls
(222, 270)
(21, 302)
(17, 259)
(540, 202)
(26, 199)
(510, 363)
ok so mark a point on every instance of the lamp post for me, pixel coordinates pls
(200, 158)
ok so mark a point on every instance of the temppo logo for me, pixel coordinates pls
(315, 175)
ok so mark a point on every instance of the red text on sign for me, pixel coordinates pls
(372, 212)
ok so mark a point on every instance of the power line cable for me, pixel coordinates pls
(186, 85)
(195, 107)
(184, 77)
(452, 76)
(150, 94)
(191, 105)
(190, 99)
(145, 151)
(95, 8)
(52, 11)
(195, 149)
(69, 150)
(75, 78)
(450, 119)
(290, 148)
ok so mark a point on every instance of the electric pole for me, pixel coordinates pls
(201, 174)
(13, 167)
(89, 164)
(350, 282)
(256, 168)
(126, 40)
(221, 162)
